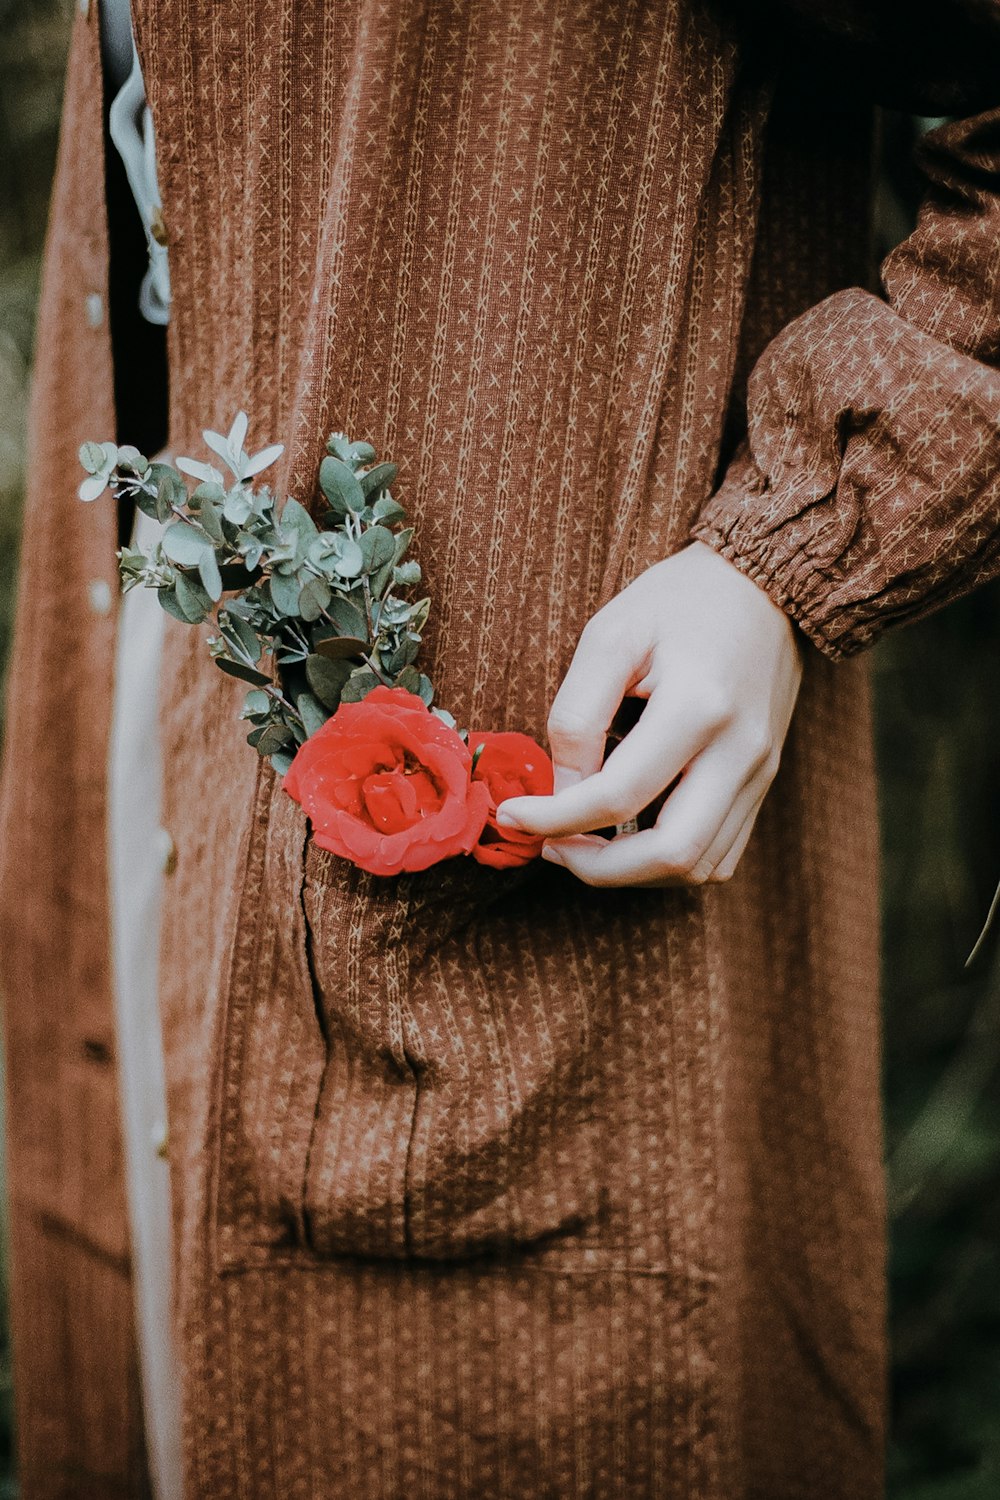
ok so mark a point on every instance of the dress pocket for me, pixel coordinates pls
(407, 1064)
(455, 1111)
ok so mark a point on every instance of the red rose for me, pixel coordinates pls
(511, 765)
(386, 785)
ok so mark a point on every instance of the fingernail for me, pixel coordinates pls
(507, 819)
(553, 856)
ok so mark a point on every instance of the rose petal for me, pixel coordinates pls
(390, 736)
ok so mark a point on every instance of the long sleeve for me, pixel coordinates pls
(868, 489)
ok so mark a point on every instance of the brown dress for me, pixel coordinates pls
(492, 1186)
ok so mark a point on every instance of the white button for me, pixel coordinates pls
(95, 309)
(158, 1137)
(99, 593)
(167, 850)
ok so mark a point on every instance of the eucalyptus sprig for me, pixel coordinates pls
(311, 613)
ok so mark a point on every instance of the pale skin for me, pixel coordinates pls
(719, 665)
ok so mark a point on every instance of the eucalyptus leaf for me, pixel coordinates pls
(378, 479)
(297, 519)
(211, 519)
(92, 457)
(326, 550)
(211, 499)
(255, 703)
(132, 560)
(341, 647)
(281, 760)
(206, 493)
(338, 443)
(252, 549)
(275, 736)
(314, 596)
(348, 617)
(314, 715)
(360, 453)
(93, 487)
(151, 506)
(326, 678)
(192, 597)
(402, 656)
(244, 673)
(208, 571)
(406, 574)
(389, 510)
(232, 533)
(426, 689)
(199, 470)
(170, 487)
(169, 601)
(395, 611)
(351, 560)
(340, 486)
(285, 593)
(418, 615)
(359, 685)
(380, 580)
(129, 457)
(285, 555)
(262, 460)
(185, 543)
(409, 678)
(238, 506)
(378, 546)
(244, 634)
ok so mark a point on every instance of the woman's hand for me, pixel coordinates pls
(719, 665)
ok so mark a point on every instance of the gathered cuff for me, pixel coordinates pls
(867, 492)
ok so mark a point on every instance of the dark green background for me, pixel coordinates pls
(939, 748)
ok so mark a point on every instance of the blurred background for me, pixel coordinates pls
(939, 747)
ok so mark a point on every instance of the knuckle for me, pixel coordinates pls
(600, 630)
(681, 859)
(758, 743)
(568, 724)
(621, 804)
(714, 707)
(617, 810)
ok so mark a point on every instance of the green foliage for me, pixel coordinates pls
(311, 613)
(939, 728)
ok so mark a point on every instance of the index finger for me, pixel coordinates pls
(583, 708)
(648, 759)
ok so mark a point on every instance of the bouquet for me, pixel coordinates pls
(316, 617)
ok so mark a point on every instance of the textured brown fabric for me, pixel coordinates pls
(869, 492)
(486, 1184)
(79, 1422)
